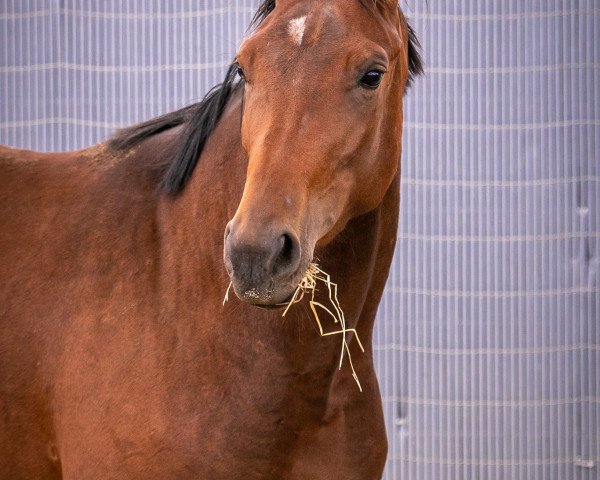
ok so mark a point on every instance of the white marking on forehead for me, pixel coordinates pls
(296, 29)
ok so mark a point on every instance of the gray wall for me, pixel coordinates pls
(488, 337)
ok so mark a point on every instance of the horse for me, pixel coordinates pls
(119, 358)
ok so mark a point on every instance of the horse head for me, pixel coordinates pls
(321, 126)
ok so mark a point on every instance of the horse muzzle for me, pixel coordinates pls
(263, 263)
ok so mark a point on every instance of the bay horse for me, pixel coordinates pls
(118, 359)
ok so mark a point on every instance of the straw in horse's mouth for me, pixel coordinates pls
(309, 283)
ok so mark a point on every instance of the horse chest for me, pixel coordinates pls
(210, 433)
(194, 412)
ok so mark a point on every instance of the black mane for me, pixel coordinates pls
(415, 61)
(200, 119)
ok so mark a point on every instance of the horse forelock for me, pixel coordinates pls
(200, 119)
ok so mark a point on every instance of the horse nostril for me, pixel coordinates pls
(287, 250)
(288, 257)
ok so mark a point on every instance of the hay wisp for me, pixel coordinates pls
(309, 284)
(226, 299)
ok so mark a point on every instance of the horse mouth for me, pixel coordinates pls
(272, 296)
(276, 306)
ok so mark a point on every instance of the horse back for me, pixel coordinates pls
(51, 205)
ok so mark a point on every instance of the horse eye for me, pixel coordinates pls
(371, 79)
(240, 73)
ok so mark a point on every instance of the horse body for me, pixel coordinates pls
(115, 365)
(119, 359)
